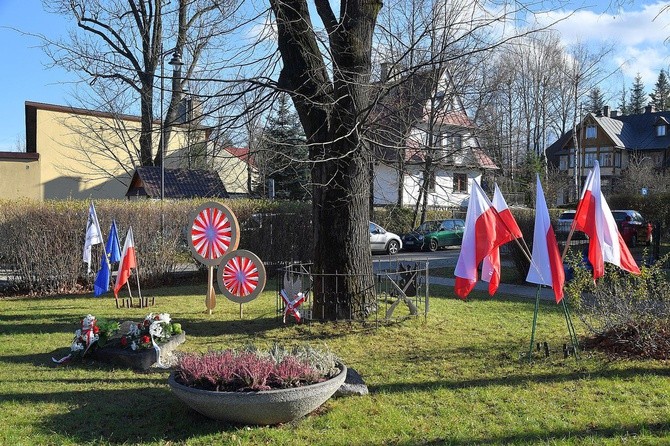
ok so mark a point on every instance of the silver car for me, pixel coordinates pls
(382, 240)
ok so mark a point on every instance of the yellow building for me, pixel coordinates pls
(84, 154)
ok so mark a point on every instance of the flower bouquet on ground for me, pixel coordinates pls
(138, 345)
(93, 334)
(155, 329)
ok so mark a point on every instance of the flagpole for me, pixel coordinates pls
(104, 249)
(137, 276)
(532, 334)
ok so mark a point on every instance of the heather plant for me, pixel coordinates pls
(253, 370)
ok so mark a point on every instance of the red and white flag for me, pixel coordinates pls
(546, 266)
(491, 263)
(128, 261)
(594, 218)
(483, 228)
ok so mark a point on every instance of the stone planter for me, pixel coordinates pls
(259, 408)
(139, 359)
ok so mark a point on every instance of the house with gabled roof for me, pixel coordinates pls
(78, 153)
(615, 141)
(151, 182)
(421, 135)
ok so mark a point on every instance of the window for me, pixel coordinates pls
(606, 159)
(591, 132)
(660, 130)
(460, 182)
(448, 225)
(617, 159)
(571, 159)
(563, 163)
(589, 158)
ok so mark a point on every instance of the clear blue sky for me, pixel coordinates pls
(641, 48)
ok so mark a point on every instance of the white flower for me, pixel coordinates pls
(134, 330)
(133, 346)
(156, 329)
(165, 318)
(76, 346)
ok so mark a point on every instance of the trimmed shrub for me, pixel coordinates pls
(41, 242)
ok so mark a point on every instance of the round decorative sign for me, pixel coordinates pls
(241, 276)
(214, 232)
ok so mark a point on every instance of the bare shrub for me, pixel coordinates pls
(628, 315)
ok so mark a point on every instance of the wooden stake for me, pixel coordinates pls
(210, 299)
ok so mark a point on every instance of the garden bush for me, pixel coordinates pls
(627, 315)
(41, 242)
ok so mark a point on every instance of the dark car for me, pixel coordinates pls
(633, 227)
(435, 234)
(563, 225)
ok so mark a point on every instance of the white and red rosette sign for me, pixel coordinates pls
(214, 232)
(241, 276)
(213, 238)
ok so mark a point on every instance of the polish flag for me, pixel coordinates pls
(128, 261)
(594, 218)
(546, 266)
(491, 263)
(482, 229)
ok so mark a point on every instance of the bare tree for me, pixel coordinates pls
(327, 82)
(118, 47)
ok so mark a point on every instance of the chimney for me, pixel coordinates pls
(614, 113)
(606, 111)
(650, 108)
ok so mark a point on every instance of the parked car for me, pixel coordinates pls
(633, 227)
(563, 225)
(435, 234)
(382, 240)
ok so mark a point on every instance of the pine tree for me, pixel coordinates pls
(284, 154)
(660, 97)
(623, 103)
(595, 102)
(637, 102)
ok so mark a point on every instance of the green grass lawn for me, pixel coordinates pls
(453, 378)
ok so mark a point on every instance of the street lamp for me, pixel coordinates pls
(175, 62)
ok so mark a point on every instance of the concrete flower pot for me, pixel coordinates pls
(259, 408)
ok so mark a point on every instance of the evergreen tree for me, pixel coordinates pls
(284, 154)
(595, 102)
(623, 103)
(660, 97)
(637, 102)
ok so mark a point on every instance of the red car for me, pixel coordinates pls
(633, 228)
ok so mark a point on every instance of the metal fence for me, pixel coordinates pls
(397, 294)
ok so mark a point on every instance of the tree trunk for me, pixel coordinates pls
(146, 101)
(330, 113)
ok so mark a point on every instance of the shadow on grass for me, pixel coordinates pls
(129, 416)
(517, 380)
(595, 435)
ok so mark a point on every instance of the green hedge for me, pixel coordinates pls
(41, 243)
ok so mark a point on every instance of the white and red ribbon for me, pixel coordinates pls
(291, 306)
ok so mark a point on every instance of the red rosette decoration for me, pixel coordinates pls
(241, 276)
(214, 232)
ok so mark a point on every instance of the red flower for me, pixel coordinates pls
(124, 341)
(147, 323)
(96, 329)
(145, 339)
